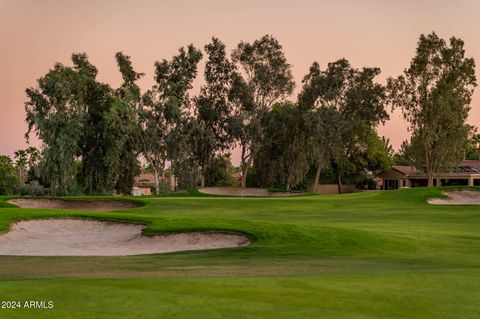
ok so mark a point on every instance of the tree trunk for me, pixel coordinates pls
(316, 183)
(21, 175)
(202, 180)
(288, 186)
(430, 179)
(428, 164)
(244, 178)
(157, 184)
(245, 172)
(339, 182)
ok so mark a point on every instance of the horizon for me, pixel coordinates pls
(36, 35)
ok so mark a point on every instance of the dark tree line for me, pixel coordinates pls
(93, 135)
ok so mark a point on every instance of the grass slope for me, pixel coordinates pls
(364, 255)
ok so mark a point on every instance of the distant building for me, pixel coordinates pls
(141, 191)
(145, 182)
(467, 174)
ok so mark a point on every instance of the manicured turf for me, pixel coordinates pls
(363, 255)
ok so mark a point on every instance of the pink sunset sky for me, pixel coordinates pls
(36, 34)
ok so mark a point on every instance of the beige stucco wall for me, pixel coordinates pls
(333, 189)
(392, 174)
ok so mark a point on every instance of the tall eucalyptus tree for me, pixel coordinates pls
(434, 94)
(354, 106)
(263, 78)
(164, 106)
(213, 109)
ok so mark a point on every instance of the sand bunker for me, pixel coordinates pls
(458, 197)
(76, 237)
(93, 205)
(238, 191)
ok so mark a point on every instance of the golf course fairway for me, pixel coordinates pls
(383, 254)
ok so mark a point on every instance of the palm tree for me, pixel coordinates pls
(21, 157)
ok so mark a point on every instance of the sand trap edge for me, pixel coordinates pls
(457, 197)
(106, 204)
(128, 239)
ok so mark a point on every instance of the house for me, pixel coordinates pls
(466, 173)
(141, 191)
(146, 181)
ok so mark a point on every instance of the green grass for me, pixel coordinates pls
(362, 255)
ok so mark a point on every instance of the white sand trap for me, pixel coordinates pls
(458, 197)
(77, 237)
(92, 205)
(249, 191)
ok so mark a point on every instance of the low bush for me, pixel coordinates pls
(32, 189)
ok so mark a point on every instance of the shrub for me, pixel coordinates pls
(163, 187)
(8, 176)
(220, 172)
(33, 189)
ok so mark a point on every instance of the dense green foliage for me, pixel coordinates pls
(56, 116)
(473, 148)
(33, 188)
(220, 172)
(77, 117)
(363, 255)
(328, 133)
(124, 119)
(8, 176)
(263, 78)
(353, 106)
(435, 94)
(213, 108)
(163, 110)
(283, 157)
(26, 162)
